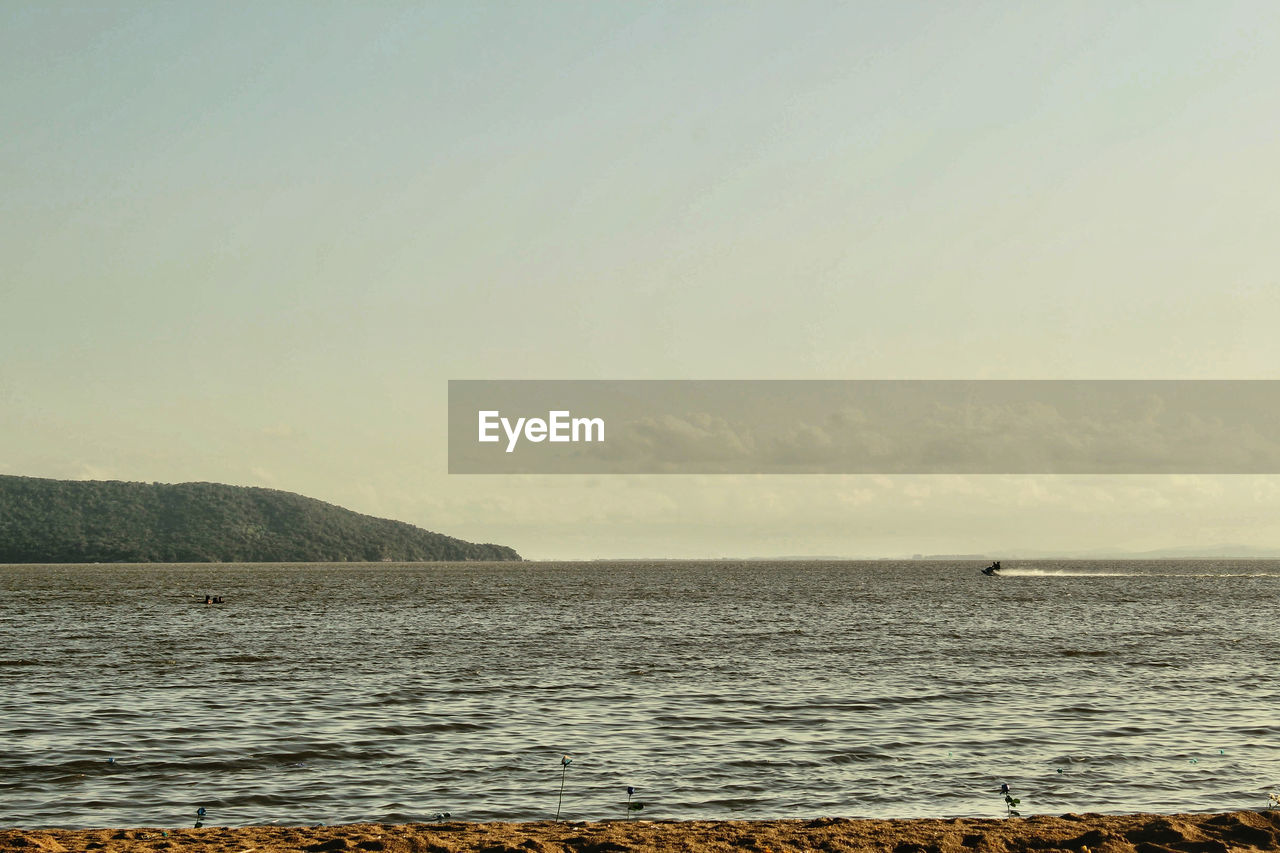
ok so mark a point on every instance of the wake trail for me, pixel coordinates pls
(1050, 573)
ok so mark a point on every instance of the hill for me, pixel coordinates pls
(73, 521)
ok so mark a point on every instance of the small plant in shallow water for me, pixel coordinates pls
(565, 761)
(632, 807)
(1010, 800)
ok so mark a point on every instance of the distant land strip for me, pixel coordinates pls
(109, 521)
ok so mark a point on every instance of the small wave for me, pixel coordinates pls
(1082, 709)
(816, 707)
(1128, 731)
(1101, 759)
(1257, 731)
(856, 756)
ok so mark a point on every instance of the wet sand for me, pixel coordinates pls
(1088, 833)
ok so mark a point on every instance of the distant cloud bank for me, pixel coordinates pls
(879, 427)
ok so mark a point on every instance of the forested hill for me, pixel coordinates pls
(72, 521)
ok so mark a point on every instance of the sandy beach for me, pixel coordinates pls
(1090, 833)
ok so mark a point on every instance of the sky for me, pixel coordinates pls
(251, 243)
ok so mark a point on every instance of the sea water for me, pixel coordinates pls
(338, 693)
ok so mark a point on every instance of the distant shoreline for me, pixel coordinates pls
(370, 563)
(111, 521)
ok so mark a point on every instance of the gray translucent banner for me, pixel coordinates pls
(864, 427)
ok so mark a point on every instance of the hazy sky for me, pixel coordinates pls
(251, 243)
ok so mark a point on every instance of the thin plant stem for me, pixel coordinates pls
(564, 768)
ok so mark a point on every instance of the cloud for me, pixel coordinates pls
(279, 430)
(677, 441)
(922, 427)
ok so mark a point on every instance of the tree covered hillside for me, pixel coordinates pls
(72, 521)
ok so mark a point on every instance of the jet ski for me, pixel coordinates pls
(992, 570)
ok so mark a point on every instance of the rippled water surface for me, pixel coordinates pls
(327, 694)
